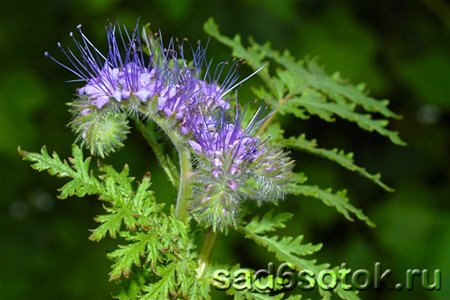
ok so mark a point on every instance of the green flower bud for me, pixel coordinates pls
(269, 176)
(101, 131)
(215, 202)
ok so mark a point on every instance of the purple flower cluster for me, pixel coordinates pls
(124, 78)
(232, 164)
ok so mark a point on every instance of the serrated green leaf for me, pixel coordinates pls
(256, 296)
(339, 200)
(143, 200)
(291, 250)
(338, 156)
(302, 88)
(338, 89)
(162, 241)
(129, 255)
(316, 104)
(299, 75)
(131, 289)
(177, 278)
(117, 185)
(268, 222)
(163, 287)
(288, 249)
(82, 182)
(159, 241)
(251, 56)
(112, 223)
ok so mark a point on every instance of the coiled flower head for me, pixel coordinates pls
(101, 131)
(234, 166)
(138, 75)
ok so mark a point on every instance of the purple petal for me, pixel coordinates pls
(100, 101)
(196, 146)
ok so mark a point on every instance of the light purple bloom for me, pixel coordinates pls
(164, 76)
(232, 163)
(216, 138)
(227, 153)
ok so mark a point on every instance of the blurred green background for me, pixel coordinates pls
(400, 48)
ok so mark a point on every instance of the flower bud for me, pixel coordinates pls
(270, 175)
(102, 131)
(215, 202)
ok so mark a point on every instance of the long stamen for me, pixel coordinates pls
(240, 82)
(85, 39)
(47, 54)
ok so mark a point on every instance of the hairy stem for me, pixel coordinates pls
(205, 253)
(184, 185)
(185, 188)
(165, 162)
(269, 120)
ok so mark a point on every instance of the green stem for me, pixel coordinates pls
(269, 120)
(205, 253)
(152, 140)
(184, 187)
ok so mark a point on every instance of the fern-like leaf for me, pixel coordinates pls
(268, 223)
(82, 181)
(289, 249)
(338, 156)
(112, 223)
(131, 254)
(339, 200)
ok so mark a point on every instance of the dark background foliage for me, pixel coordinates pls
(399, 48)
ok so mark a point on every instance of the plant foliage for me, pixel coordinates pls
(157, 257)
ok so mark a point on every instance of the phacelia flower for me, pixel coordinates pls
(234, 166)
(139, 75)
